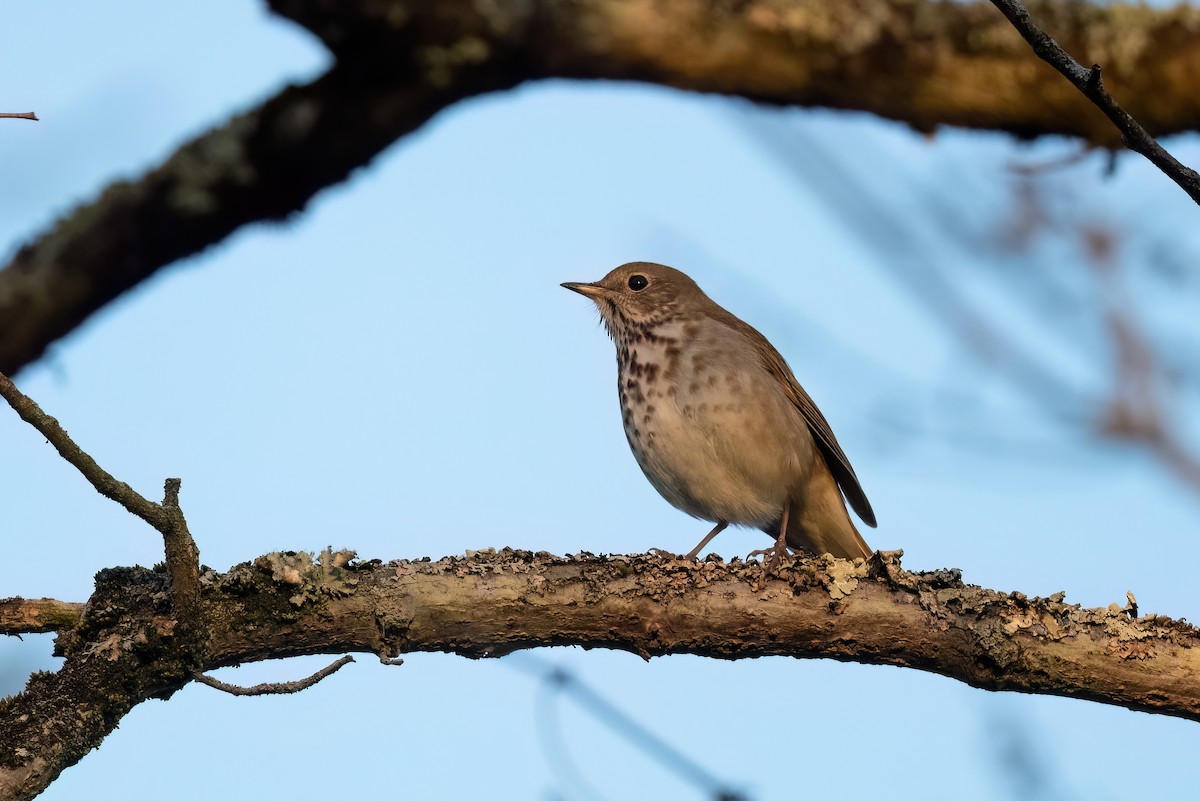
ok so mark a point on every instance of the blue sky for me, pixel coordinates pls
(397, 371)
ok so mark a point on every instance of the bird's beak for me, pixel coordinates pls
(592, 291)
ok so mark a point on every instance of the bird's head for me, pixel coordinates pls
(641, 293)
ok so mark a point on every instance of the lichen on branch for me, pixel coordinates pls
(125, 648)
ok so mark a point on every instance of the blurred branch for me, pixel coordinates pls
(564, 682)
(22, 115)
(1030, 170)
(1023, 764)
(262, 165)
(1137, 411)
(1091, 84)
(917, 269)
(492, 603)
(1140, 404)
(557, 681)
(399, 62)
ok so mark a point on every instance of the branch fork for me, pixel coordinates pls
(182, 555)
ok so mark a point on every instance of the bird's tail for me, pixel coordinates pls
(842, 542)
(820, 523)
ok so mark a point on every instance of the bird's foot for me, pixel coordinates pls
(772, 554)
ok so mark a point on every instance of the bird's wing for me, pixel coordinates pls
(835, 457)
(839, 465)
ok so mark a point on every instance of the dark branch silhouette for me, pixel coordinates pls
(1091, 84)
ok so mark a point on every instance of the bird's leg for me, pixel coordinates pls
(717, 529)
(691, 555)
(780, 547)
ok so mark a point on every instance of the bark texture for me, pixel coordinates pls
(37, 615)
(399, 62)
(124, 649)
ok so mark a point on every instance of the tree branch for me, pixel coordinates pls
(183, 566)
(182, 555)
(121, 653)
(399, 62)
(263, 165)
(1091, 84)
(97, 476)
(125, 648)
(22, 115)
(33, 616)
(276, 688)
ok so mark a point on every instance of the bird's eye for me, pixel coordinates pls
(638, 282)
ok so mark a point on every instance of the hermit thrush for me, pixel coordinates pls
(717, 421)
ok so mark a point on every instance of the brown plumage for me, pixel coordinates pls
(718, 422)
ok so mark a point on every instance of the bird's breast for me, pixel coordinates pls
(707, 424)
(646, 367)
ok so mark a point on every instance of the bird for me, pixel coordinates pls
(717, 421)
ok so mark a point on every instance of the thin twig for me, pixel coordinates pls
(23, 115)
(97, 476)
(1090, 83)
(276, 688)
(1050, 165)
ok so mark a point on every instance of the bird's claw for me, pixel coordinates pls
(773, 553)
